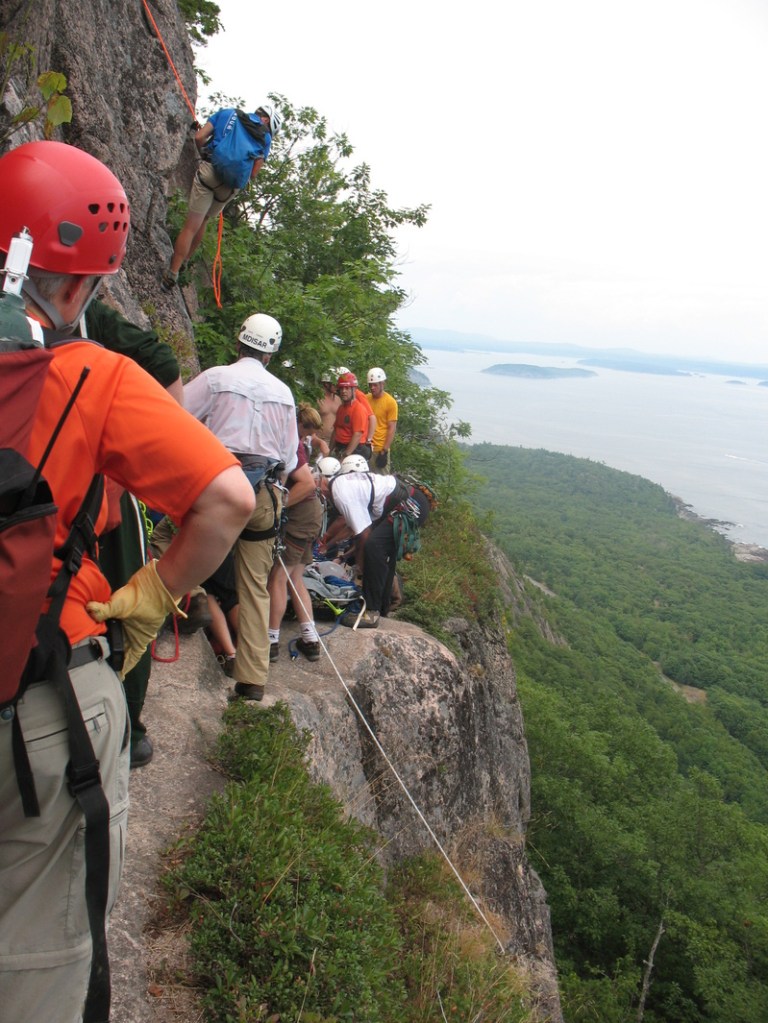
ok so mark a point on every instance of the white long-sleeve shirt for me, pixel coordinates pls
(249, 410)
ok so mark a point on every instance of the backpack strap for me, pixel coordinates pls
(256, 131)
(50, 662)
(81, 538)
(84, 780)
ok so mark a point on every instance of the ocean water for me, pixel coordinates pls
(702, 438)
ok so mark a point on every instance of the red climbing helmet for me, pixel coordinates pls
(347, 380)
(73, 206)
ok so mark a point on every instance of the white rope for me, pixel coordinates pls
(394, 771)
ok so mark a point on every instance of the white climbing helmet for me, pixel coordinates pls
(376, 375)
(330, 376)
(275, 118)
(354, 463)
(328, 466)
(261, 332)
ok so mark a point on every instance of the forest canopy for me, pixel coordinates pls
(649, 822)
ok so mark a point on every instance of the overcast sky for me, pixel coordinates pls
(597, 170)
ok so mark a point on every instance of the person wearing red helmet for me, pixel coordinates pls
(78, 216)
(350, 431)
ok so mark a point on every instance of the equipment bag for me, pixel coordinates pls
(409, 514)
(27, 511)
(238, 141)
(405, 529)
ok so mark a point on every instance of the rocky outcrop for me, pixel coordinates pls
(417, 724)
(448, 725)
(129, 111)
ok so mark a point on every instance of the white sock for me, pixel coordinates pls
(274, 635)
(309, 632)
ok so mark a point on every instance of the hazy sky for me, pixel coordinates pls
(597, 170)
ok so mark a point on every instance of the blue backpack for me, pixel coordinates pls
(238, 141)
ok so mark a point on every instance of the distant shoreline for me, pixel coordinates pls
(529, 372)
(747, 552)
(625, 359)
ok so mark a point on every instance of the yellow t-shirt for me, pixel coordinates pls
(385, 410)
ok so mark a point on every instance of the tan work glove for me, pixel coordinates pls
(142, 605)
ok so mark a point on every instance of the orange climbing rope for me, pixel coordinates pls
(159, 35)
(216, 277)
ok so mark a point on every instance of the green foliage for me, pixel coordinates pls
(202, 18)
(291, 918)
(450, 577)
(18, 62)
(286, 898)
(451, 966)
(647, 808)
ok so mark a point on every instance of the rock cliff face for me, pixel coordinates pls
(451, 725)
(451, 728)
(128, 110)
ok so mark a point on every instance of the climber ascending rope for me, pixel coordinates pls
(233, 146)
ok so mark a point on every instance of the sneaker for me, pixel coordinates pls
(169, 280)
(198, 615)
(311, 650)
(274, 652)
(142, 752)
(249, 690)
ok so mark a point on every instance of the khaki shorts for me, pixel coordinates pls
(208, 196)
(304, 522)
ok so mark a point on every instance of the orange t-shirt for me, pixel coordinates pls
(350, 419)
(361, 397)
(124, 425)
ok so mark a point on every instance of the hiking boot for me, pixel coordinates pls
(227, 664)
(198, 615)
(249, 690)
(368, 620)
(310, 649)
(169, 280)
(274, 652)
(142, 752)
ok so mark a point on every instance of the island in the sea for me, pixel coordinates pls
(521, 369)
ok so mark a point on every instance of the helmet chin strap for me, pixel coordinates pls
(60, 327)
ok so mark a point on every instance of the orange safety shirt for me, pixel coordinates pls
(127, 427)
(350, 419)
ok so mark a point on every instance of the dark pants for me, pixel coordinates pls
(340, 451)
(380, 559)
(121, 553)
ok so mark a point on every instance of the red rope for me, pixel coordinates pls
(170, 60)
(170, 660)
(167, 660)
(217, 265)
